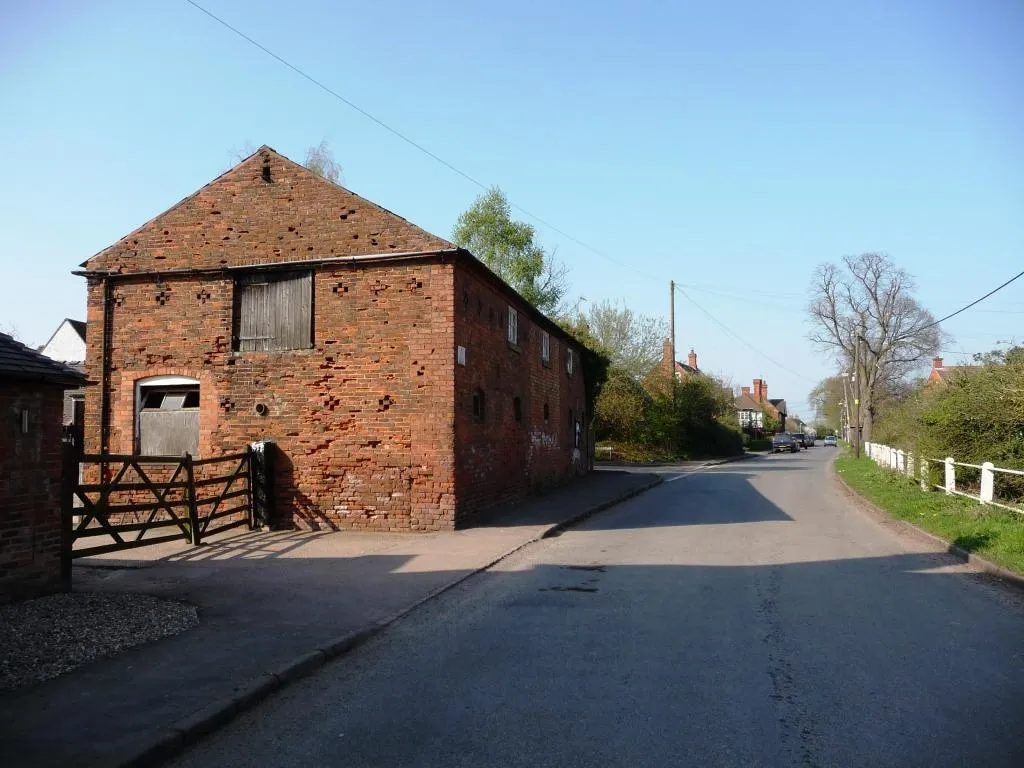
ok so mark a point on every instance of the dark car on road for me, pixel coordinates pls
(783, 442)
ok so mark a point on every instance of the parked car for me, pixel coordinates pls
(799, 438)
(783, 442)
(830, 441)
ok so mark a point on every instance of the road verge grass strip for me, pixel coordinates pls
(989, 532)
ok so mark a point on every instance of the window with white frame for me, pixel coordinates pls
(513, 326)
(545, 346)
(569, 361)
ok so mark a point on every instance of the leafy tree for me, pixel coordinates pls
(632, 341)
(488, 231)
(868, 298)
(622, 408)
(321, 162)
(826, 400)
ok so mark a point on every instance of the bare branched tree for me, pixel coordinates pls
(320, 161)
(632, 341)
(870, 297)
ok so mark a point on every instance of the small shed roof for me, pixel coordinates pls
(18, 362)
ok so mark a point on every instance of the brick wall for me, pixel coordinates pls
(245, 217)
(363, 418)
(499, 458)
(30, 531)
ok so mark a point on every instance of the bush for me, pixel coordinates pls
(976, 416)
(690, 418)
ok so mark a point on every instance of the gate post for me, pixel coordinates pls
(190, 489)
(261, 482)
(68, 481)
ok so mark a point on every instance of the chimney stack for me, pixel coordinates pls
(666, 357)
(760, 390)
(692, 359)
(936, 362)
(745, 391)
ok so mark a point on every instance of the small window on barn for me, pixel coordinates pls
(274, 311)
(570, 362)
(513, 326)
(517, 408)
(547, 413)
(478, 405)
(545, 347)
(167, 419)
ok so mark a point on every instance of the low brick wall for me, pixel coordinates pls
(30, 473)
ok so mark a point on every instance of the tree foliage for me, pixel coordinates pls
(632, 341)
(975, 416)
(320, 161)
(870, 298)
(826, 400)
(488, 231)
(690, 418)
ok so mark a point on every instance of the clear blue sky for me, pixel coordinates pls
(730, 146)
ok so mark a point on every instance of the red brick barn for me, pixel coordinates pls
(405, 384)
(31, 410)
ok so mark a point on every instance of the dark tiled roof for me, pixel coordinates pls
(79, 327)
(747, 403)
(18, 362)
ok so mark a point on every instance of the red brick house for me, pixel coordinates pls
(31, 409)
(406, 386)
(940, 373)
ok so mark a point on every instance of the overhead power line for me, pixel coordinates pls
(736, 336)
(416, 145)
(973, 303)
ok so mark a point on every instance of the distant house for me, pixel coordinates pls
(941, 373)
(67, 345)
(759, 398)
(681, 370)
(749, 412)
(31, 394)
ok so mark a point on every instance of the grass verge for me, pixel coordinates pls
(992, 533)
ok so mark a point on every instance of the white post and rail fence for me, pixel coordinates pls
(970, 478)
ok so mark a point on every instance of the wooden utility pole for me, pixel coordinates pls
(856, 397)
(672, 322)
(672, 338)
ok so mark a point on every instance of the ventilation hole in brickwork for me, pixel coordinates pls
(291, 229)
(266, 174)
(517, 408)
(166, 232)
(215, 213)
(226, 237)
(478, 405)
(231, 229)
(371, 443)
(355, 236)
(385, 403)
(547, 413)
(351, 210)
(310, 248)
(373, 241)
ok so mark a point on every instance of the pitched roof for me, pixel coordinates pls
(213, 225)
(77, 326)
(946, 371)
(745, 402)
(18, 362)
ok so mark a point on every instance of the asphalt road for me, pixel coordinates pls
(744, 615)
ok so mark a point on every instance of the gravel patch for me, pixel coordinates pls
(46, 637)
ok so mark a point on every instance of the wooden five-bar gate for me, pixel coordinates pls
(124, 502)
